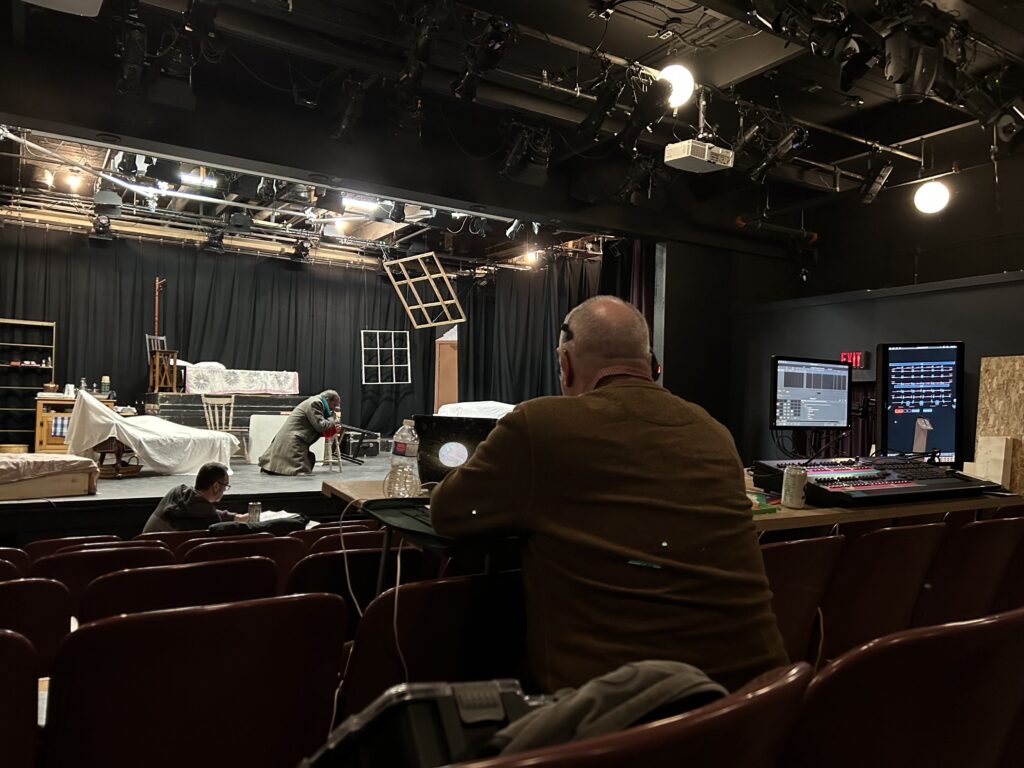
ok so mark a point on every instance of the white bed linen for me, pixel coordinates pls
(233, 381)
(164, 447)
(481, 409)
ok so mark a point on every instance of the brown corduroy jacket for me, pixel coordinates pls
(638, 539)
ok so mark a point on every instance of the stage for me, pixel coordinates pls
(122, 506)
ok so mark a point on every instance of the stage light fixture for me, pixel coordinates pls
(931, 197)
(128, 164)
(301, 250)
(107, 203)
(73, 181)
(101, 229)
(651, 106)
(682, 82)
(197, 179)
(790, 142)
(214, 242)
(239, 221)
(397, 213)
(874, 182)
(532, 256)
(514, 229)
(484, 55)
(130, 48)
(167, 171)
(350, 110)
(607, 98)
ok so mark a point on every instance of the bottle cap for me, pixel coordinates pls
(408, 423)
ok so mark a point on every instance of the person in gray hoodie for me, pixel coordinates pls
(192, 509)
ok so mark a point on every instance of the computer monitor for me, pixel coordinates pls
(447, 442)
(920, 392)
(810, 394)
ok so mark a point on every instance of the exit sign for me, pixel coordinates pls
(856, 359)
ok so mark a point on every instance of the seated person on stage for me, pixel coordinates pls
(638, 539)
(312, 419)
(191, 509)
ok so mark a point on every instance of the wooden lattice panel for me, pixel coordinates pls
(425, 290)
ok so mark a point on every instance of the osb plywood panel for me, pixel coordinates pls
(1001, 408)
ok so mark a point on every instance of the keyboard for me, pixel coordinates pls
(848, 482)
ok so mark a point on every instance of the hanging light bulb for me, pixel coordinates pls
(931, 197)
(681, 80)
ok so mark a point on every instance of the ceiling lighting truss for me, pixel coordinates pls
(425, 290)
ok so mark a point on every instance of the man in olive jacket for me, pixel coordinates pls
(638, 538)
(310, 420)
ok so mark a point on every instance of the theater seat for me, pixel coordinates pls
(187, 546)
(942, 697)
(39, 609)
(312, 535)
(241, 684)
(8, 571)
(284, 551)
(747, 729)
(19, 557)
(112, 545)
(18, 731)
(44, 547)
(355, 540)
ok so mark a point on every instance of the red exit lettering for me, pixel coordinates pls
(855, 359)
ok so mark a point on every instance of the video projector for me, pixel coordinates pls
(698, 156)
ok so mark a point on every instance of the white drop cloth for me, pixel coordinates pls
(164, 447)
(481, 409)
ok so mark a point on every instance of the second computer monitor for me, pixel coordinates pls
(810, 394)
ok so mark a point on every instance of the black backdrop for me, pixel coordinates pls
(507, 346)
(244, 311)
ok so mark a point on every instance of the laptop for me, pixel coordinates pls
(447, 442)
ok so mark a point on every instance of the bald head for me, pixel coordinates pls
(603, 332)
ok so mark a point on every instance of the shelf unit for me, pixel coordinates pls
(23, 340)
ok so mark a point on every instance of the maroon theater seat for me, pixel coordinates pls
(239, 684)
(39, 609)
(187, 546)
(748, 728)
(9, 571)
(284, 551)
(18, 695)
(76, 569)
(312, 535)
(876, 584)
(44, 547)
(17, 556)
(178, 586)
(358, 540)
(113, 545)
(798, 573)
(942, 697)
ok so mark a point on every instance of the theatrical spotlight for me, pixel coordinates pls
(790, 142)
(607, 98)
(301, 250)
(350, 110)
(239, 221)
(931, 197)
(681, 80)
(650, 107)
(484, 55)
(874, 182)
(167, 171)
(214, 242)
(397, 213)
(107, 203)
(101, 229)
(128, 164)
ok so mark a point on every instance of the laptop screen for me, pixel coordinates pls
(447, 442)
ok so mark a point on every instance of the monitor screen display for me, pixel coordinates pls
(810, 394)
(920, 388)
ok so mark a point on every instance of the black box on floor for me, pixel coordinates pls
(369, 447)
(423, 725)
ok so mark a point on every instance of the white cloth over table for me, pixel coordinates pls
(232, 381)
(164, 447)
(481, 409)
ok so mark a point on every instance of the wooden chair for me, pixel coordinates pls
(18, 696)
(247, 684)
(457, 630)
(178, 586)
(798, 573)
(39, 609)
(163, 364)
(747, 728)
(220, 416)
(944, 697)
(76, 569)
(876, 584)
(44, 547)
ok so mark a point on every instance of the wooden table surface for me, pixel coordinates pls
(784, 519)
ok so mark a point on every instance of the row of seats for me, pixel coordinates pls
(833, 593)
(253, 683)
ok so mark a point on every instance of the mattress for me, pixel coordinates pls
(27, 466)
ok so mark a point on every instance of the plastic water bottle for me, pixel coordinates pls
(403, 480)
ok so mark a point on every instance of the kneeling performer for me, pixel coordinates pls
(312, 419)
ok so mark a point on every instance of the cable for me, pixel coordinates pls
(831, 442)
(344, 557)
(337, 691)
(821, 639)
(394, 620)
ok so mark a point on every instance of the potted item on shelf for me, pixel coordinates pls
(51, 386)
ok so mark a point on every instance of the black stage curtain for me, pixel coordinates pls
(244, 311)
(507, 346)
(627, 271)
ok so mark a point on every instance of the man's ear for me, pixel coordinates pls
(566, 375)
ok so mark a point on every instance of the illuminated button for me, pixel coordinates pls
(453, 454)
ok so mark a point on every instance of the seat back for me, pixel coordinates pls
(968, 569)
(44, 547)
(39, 609)
(17, 556)
(935, 696)
(8, 571)
(219, 412)
(76, 569)
(357, 540)
(248, 683)
(173, 539)
(876, 584)
(112, 545)
(469, 628)
(328, 572)
(204, 538)
(18, 731)
(312, 535)
(285, 553)
(798, 572)
(747, 728)
(153, 343)
(178, 586)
